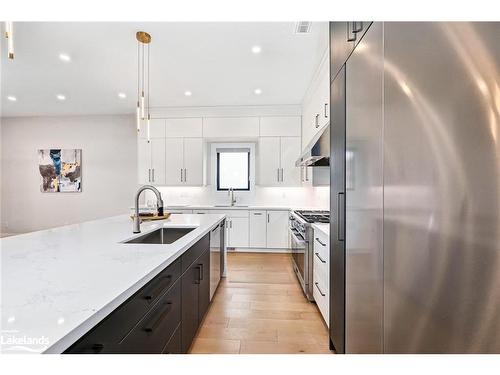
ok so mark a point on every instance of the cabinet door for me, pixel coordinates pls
(157, 128)
(190, 282)
(277, 126)
(324, 95)
(158, 161)
(257, 229)
(193, 161)
(277, 229)
(290, 152)
(238, 232)
(174, 165)
(204, 286)
(269, 161)
(143, 161)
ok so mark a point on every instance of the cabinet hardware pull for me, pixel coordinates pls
(181, 174)
(321, 259)
(278, 170)
(149, 174)
(153, 174)
(282, 177)
(317, 120)
(320, 292)
(159, 318)
(321, 243)
(268, 218)
(257, 213)
(200, 275)
(185, 174)
(230, 224)
(349, 37)
(97, 348)
(326, 112)
(355, 29)
(307, 174)
(157, 288)
(340, 216)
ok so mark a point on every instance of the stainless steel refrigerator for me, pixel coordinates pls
(415, 188)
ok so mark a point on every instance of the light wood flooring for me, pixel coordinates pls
(260, 308)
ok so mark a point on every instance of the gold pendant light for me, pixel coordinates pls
(9, 35)
(142, 110)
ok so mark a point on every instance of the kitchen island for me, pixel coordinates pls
(60, 283)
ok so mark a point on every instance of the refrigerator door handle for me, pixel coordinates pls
(340, 216)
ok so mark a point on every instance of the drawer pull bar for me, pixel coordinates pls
(156, 290)
(320, 292)
(319, 241)
(160, 317)
(97, 348)
(322, 260)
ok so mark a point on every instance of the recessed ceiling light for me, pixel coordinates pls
(12, 98)
(188, 93)
(122, 95)
(60, 97)
(64, 57)
(256, 49)
(257, 91)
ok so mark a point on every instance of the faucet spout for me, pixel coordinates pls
(159, 205)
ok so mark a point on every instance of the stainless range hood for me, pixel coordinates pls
(317, 152)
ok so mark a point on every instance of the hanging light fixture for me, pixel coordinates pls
(9, 35)
(142, 110)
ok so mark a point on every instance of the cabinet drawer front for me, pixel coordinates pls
(154, 331)
(174, 344)
(104, 337)
(321, 247)
(321, 293)
(194, 252)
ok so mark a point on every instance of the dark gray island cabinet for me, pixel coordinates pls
(163, 316)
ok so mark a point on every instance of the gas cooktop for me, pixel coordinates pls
(314, 216)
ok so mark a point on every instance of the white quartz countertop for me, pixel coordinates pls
(59, 283)
(322, 227)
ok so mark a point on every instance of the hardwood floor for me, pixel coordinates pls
(260, 308)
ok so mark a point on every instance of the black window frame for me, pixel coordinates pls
(218, 172)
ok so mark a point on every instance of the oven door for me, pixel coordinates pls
(299, 246)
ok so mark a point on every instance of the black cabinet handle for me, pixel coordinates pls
(340, 217)
(157, 287)
(355, 28)
(97, 348)
(319, 241)
(321, 259)
(320, 292)
(198, 279)
(326, 111)
(317, 120)
(163, 313)
(200, 275)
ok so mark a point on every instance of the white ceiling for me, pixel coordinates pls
(213, 60)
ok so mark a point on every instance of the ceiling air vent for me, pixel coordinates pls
(303, 27)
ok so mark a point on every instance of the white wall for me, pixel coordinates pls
(109, 170)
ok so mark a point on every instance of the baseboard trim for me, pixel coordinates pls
(258, 250)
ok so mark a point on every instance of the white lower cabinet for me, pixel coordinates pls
(258, 229)
(238, 232)
(321, 274)
(277, 229)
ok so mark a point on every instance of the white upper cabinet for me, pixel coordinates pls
(315, 109)
(157, 161)
(269, 161)
(174, 161)
(277, 157)
(277, 229)
(290, 151)
(193, 161)
(224, 127)
(280, 126)
(184, 161)
(184, 127)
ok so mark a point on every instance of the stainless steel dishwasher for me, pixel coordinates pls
(217, 256)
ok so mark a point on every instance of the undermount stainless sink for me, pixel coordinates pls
(161, 236)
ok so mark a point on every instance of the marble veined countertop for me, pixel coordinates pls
(59, 283)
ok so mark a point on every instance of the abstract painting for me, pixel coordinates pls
(60, 170)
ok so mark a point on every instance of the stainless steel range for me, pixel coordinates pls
(301, 240)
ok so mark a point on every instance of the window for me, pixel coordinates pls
(233, 169)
